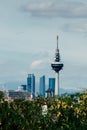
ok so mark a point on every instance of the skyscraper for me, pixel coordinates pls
(52, 85)
(31, 84)
(42, 86)
(57, 66)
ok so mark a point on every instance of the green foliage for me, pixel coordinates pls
(64, 113)
(1, 95)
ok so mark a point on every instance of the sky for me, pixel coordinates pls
(28, 30)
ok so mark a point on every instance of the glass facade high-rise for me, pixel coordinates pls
(31, 84)
(42, 86)
(52, 84)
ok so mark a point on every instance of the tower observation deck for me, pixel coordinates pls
(57, 65)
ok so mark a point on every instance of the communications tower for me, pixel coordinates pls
(57, 65)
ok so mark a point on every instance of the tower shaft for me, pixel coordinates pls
(56, 83)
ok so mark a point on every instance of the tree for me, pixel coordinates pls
(1, 95)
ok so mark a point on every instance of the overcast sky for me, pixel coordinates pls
(28, 30)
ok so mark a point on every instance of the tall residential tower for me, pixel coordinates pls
(52, 85)
(31, 84)
(57, 66)
(42, 86)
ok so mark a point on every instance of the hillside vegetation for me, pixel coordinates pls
(63, 113)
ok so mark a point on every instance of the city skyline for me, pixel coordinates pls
(28, 31)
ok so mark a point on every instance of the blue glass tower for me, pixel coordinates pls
(52, 85)
(42, 86)
(31, 84)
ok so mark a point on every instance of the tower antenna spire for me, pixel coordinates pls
(57, 42)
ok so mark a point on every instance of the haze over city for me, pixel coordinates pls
(28, 31)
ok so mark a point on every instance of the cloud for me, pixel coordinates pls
(36, 64)
(2, 62)
(40, 64)
(55, 8)
(75, 27)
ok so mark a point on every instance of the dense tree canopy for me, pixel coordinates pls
(63, 113)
